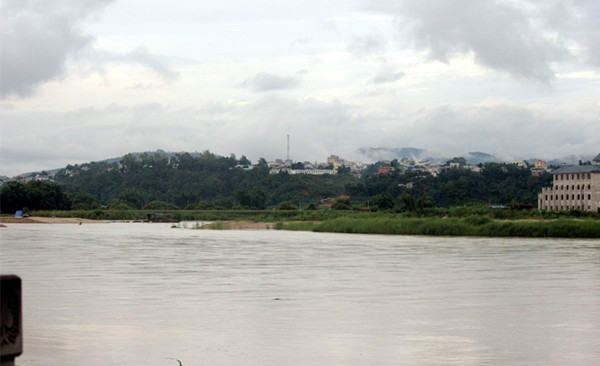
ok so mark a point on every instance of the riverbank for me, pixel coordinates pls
(452, 226)
(45, 220)
(385, 224)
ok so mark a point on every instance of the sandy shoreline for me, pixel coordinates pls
(46, 220)
(228, 225)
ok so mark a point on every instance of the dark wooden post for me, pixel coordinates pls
(11, 325)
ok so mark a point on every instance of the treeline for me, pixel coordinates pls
(161, 181)
(33, 196)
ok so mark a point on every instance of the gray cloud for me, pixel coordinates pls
(501, 36)
(366, 45)
(154, 62)
(583, 25)
(159, 64)
(385, 77)
(263, 82)
(523, 39)
(38, 37)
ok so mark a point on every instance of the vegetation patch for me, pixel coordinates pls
(469, 226)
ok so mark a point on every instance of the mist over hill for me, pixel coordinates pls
(418, 154)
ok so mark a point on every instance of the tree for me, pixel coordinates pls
(244, 161)
(84, 201)
(35, 195)
(12, 197)
(409, 202)
(132, 197)
(251, 198)
(383, 201)
(343, 170)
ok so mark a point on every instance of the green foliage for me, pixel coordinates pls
(469, 226)
(286, 205)
(84, 201)
(119, 205)
(204, 181)
(341, 204)
(383, 201)
(251, 198)
(160, 206)
(34, 195)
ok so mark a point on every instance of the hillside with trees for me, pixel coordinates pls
(161, 181)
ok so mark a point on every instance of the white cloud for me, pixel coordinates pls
(524, 39)
(37, 39)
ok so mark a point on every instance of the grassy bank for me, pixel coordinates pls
(459, 221)
(203, 215)
(453, 226)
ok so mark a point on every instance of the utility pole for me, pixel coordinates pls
(288, 162)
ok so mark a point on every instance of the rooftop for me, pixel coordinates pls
(578, 169)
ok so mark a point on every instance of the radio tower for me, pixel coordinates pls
(288, 162)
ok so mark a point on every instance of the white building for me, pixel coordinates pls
(575, 187)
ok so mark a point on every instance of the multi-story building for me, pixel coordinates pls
(335, 161)
(575, 187)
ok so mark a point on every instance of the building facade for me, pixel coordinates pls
(573, 188)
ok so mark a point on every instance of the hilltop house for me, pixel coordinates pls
(575, 187)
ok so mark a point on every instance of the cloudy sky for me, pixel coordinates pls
(88, 80)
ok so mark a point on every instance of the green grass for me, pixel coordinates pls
(469, 226)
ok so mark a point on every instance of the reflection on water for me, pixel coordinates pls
(139, 294)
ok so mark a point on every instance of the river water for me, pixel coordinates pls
(147, 294)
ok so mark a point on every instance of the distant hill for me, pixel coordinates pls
(477, 157)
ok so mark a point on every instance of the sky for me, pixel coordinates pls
(88, 80)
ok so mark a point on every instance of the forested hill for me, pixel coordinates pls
(208, 181)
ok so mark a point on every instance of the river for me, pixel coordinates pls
(147, 294)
